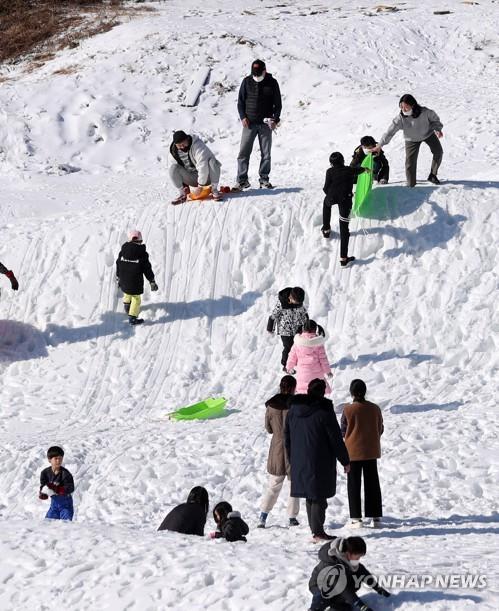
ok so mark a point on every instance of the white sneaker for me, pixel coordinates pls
(355, 523)
(216, 195)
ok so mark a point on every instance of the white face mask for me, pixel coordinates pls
(259, 79)
(366, 151)
(407, 113)
(355, 563)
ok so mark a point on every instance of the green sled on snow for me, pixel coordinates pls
(364, 185)
(209, 408)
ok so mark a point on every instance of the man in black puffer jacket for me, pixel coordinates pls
(259, 106)
(131, 267)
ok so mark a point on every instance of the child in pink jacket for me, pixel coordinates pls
(308, 357)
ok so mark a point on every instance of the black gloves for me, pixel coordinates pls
(154, 286)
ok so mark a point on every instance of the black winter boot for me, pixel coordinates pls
(133, 320)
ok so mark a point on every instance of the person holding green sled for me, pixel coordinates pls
(338, 188)
(131, 267)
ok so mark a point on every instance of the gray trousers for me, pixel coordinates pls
(248, 136)
(180, 176)
(411, 157)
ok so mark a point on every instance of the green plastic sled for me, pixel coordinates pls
(364, 185)
(209, 408)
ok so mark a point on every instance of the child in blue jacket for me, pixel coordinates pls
(57, 483)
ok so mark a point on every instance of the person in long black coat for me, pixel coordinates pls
(313, 445)
(131, 267)
(189, 518)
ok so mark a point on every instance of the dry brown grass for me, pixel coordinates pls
(36, 29)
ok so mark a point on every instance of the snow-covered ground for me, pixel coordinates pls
(415, 317)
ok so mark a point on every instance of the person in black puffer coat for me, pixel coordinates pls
(131, 267)
(230, 525)
(288, 318)
(189, 518)
(339, 575)
(338, 188)
(259, 106)
(381, 168)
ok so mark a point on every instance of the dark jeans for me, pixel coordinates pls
(320, 604)
(248, 136)
(316, 513)
(344, 209)
(372, 491)
(411, 157)
(287, 343)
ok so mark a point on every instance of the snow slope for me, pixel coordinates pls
(415, 317)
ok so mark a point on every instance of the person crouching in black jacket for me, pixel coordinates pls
(132, 264)
(230, 525)
(381, 168)
(339, 575)
(189, 518)
(338, 188)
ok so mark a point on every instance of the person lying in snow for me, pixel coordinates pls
(189, 518)
(381, 169)
(230, 525)
(57, 483)
(10, 275)
(339, 575)
(287, 318)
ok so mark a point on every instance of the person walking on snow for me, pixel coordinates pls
(313, 445)
(277, 463)
(362, 427)
(131, 267)
(259, 105)
(288, 318)
(57, 483)
(10, 275)
(195, 166)
(338, 188)
(308, 356)
(419, 124)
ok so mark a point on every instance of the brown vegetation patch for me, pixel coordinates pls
(36, 29)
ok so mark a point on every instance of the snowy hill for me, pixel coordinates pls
(415, 317)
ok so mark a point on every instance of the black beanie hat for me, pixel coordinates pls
(179, 136)
(257, 67)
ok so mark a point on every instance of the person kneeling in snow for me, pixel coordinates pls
(189, 518)
(230, 525)
(57, 483)
(10, 275)
(381, 169)
(339, 574)
(195, 166)
(132, 264)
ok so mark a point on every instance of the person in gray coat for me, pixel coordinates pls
(195, 166)
(419, 124)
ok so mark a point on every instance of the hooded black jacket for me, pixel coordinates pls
(313, 444)
(234, 528)
(131, 267)
(187, 518)
(259, 101)
(381, 169)
(354, 578)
